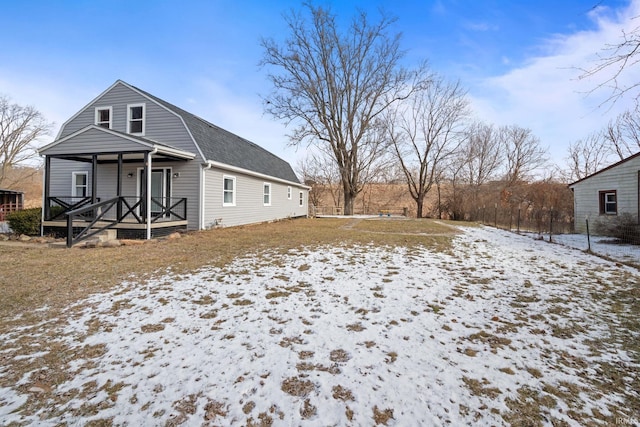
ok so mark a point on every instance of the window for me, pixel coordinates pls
(135, 118)
(266, 194)
(228, 191)
(79, 184)
(301, 199)
(103, 117)
(608, 203)
(288, 193)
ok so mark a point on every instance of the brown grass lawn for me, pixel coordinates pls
(38, 276)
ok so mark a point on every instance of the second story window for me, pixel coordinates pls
(103, 117)
(136, 119)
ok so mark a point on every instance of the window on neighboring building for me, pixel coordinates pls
(135, 119)
(79, 184)
(228, 191)
(288, 193)
(266, 194)
(103, 117)
(301, 199)
(608, 203)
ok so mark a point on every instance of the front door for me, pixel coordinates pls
(160, 189)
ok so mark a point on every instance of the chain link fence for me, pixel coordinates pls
(618, 239)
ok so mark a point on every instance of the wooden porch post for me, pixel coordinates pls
(94, 178)
(147, 163)
(119, 188)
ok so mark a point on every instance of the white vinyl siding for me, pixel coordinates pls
(136, 119)
(249, 201)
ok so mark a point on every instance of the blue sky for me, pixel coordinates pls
(518, 59)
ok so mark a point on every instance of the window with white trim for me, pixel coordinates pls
(228, 190)
(79, 184)
(266, 194)
(288, 193)
(103, 116)
(608, 202)
(136, 118)
(301, 199)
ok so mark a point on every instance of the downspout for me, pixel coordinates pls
(148, 195)
(204, 168)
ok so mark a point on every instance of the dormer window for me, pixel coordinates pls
(103, 117)
(136, 118)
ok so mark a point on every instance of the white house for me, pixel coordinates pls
(608, 193)
(132, 162)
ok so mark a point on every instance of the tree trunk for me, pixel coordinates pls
(419, 204)
(348, 202)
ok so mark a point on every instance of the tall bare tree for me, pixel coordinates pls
(586, 156)
(623, 134)
(523, 153)
(20, 129)
(333, 85)
(482, 154)
(425, 129)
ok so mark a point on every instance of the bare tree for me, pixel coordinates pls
(616, 62)
(426, 129)
(523, 153)
(586, 156)
(319, 172)
(623, 134)
(482, 154)
(20, 129)
(333, 86)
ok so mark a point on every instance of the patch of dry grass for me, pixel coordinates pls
(56, 277)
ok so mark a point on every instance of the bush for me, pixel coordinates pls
(623, 227)
(26, 221)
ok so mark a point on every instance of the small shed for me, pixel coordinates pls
(10, 201)
(608, 193)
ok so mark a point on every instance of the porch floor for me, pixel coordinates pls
(133, 225)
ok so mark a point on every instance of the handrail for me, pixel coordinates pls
(103, 208)
(84, 234)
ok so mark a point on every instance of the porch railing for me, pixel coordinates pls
(89, 220)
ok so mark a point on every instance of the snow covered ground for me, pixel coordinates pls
(500, 329)
(601, 246)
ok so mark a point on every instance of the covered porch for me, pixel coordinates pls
(125, 185)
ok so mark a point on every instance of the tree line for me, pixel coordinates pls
(368, 118)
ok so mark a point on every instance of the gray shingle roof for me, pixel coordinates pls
(225, 147)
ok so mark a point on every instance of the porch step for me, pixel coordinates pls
(106, 235)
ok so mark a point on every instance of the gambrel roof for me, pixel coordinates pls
(221, 146)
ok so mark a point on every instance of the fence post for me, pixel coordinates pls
(588, 236)
(518, 219)
(495, 217)
(550, 225)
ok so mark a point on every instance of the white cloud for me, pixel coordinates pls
(546, 95)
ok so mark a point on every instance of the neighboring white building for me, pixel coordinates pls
(137, 164)
(608, 193)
